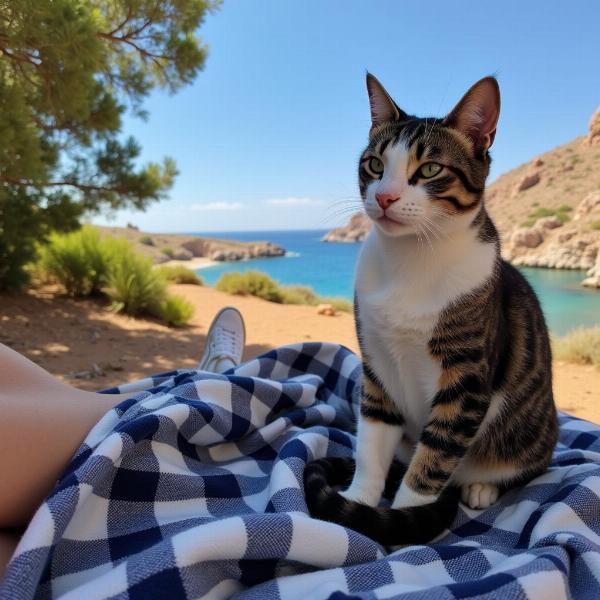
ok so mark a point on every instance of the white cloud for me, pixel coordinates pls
(217, 206)
(292, 202)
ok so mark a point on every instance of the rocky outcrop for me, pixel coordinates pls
(552, 244)
(593, 137)
(164, 247)
(528, 181)
(593, 275)
(356, 230)
(526, 238)
(589, 206)
(254, 250)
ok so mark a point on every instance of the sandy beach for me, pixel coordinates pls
(83, 342)
(198, 262)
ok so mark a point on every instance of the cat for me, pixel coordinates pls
(456, 379)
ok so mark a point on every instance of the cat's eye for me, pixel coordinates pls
(375, 166)
(430, 169)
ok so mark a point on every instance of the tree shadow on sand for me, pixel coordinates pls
(84, 343)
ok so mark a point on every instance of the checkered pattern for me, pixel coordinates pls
(193, 488)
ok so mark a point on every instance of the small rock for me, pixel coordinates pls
(538, 162)
(529, 238)
(326, 309)
(528, 182)
(549, 223)
(565, 236)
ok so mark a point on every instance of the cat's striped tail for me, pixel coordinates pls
(389, 527)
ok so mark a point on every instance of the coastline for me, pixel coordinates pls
(198, 262)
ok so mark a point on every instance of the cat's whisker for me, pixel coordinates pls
(433, 233)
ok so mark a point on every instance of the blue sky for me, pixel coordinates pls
(268, 135)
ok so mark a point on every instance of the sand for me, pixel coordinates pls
(198, 262)
(86, 344)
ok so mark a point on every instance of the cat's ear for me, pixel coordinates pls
(383, 108)
(476, 115)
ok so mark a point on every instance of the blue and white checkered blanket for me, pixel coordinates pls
(193, 489)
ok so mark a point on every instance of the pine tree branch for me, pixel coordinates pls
(84, 187)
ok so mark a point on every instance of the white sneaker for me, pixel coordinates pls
(225, 342)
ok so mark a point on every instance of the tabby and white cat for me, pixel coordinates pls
(457, 379)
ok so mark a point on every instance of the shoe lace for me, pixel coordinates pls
(227, 343)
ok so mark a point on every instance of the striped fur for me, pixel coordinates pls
(456, 357)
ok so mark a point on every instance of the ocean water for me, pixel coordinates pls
(329, 270)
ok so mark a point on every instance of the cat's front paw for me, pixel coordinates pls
(407, 497)
(362, 495)
(479, 495)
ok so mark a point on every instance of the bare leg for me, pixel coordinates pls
(43, 421)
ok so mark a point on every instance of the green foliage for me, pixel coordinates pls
(167, 251)
(255, 283)
(180, 274)
(176, 311)
(596, 225)
(250, 283)
(581, 345)
(78, 261)
(298, 294)
(147, 240)
(542, 212)
(68, 72)
(135, 286)
(85, 264)
(560, 213)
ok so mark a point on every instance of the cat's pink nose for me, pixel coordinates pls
(386, 199)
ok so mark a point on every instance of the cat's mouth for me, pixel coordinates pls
(390, 222)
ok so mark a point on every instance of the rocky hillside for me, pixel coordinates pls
(356, 230)
(162, 247)
(547, 210)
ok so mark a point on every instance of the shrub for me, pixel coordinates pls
(147, 240)
(560, 213)
(596, 225)
(79, 261)
(254, 283)
(135, 286)
(250, 283)
(175, 311)
(542, 212)
(167, 251)
(298, 294)
(180, 274)
(580, 345)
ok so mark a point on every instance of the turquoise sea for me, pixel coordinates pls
(329, 270)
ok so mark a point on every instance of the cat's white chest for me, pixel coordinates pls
(400, 302)
(396, 340)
